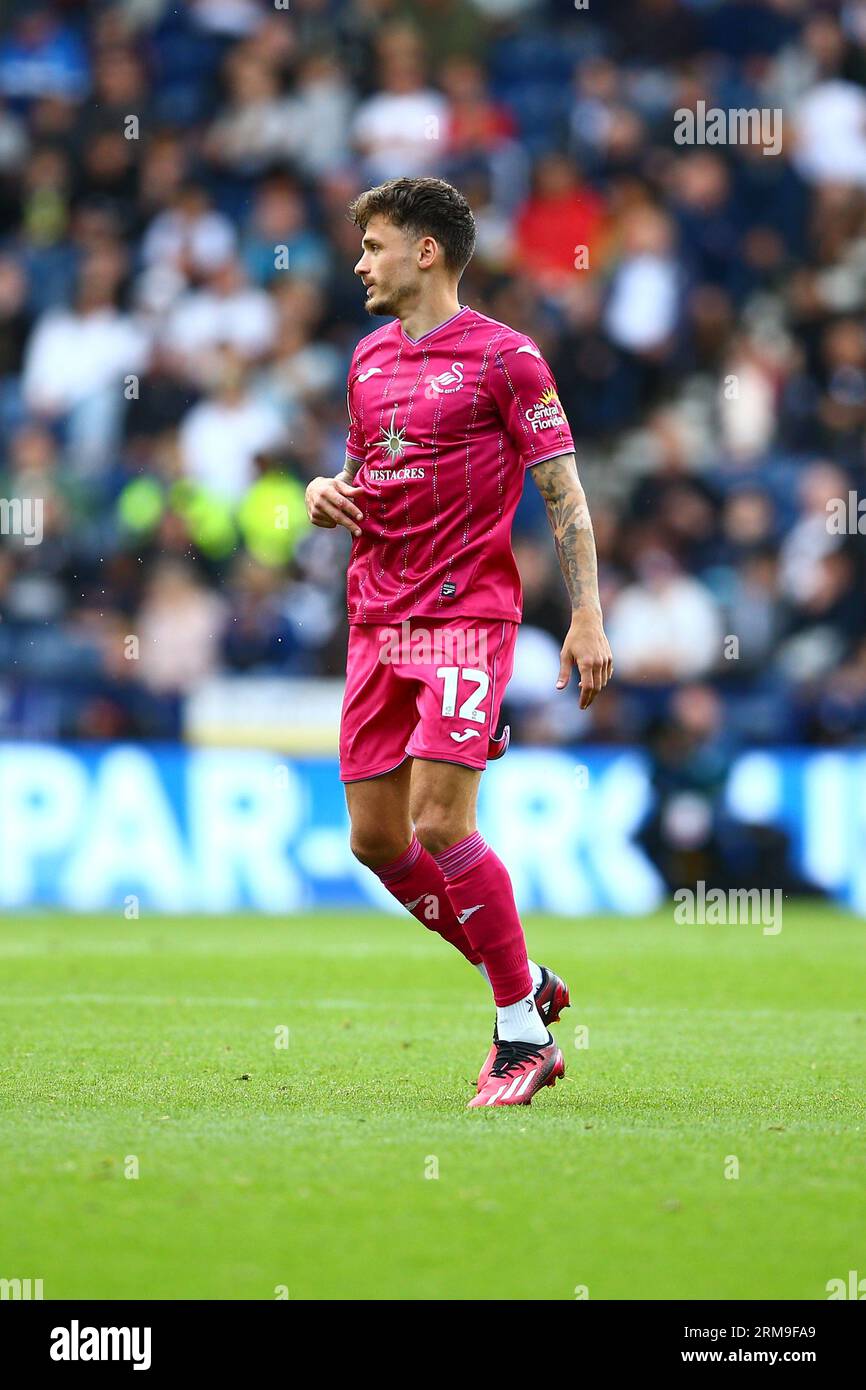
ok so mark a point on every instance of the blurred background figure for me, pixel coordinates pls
(178, 312)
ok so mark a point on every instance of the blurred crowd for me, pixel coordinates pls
(178, 311)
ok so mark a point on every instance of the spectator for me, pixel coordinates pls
(404, 124)
(75, 354)
(42, 57)
(278, 236)
(560, 216)
(665, 627)
(253, 133)
(646, 288)
(191, 237)
(179, 626)
(221, 437)
(225, 310)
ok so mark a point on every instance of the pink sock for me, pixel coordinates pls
(482, 897)
(416, 881)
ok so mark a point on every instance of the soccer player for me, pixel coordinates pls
(447, 408)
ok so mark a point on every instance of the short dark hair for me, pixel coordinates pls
(422, 207)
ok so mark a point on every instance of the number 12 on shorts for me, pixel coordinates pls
(469, 709)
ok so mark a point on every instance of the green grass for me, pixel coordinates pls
(133, 1038)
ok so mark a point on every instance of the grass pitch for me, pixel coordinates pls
(345, 1164)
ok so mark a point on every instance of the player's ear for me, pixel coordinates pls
(427, 250)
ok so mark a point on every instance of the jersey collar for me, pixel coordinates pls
(431, 331)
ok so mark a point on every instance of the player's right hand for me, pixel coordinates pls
(329, 503)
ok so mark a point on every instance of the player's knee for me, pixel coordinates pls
(375, 847)
(439, 827)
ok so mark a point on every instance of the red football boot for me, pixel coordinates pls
(519, 1070)
(551, 998)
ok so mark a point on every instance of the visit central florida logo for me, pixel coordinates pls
(394, 441)
(546, 414)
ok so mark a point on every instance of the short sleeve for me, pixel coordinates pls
(354, 438)
(525, 393)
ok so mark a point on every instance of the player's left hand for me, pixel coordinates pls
(587, 648)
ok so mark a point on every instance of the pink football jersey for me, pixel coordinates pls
(444, 428)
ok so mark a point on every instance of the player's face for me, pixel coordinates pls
(388, 267)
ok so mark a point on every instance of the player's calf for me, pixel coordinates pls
(416, 880)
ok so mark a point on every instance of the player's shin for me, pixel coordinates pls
(416, 881)
(480, 891)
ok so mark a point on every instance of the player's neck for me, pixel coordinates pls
(427, 316)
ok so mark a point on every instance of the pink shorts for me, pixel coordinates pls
(425, 690)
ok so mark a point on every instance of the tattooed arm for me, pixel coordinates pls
(585, 645)
(330, 500)
(349, 469)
